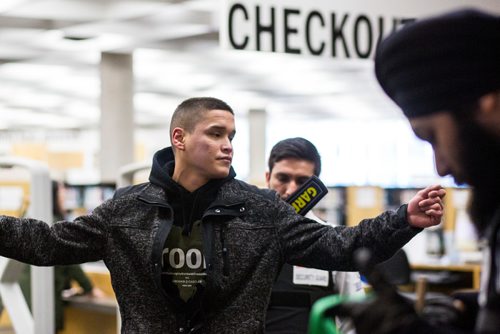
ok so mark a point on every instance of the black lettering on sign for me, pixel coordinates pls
(289, 31)
(232, 11)
(260, 28)
(361, 21)
(313, 32)
(339, 33)
(310, 17)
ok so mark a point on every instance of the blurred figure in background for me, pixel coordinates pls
(291, 163)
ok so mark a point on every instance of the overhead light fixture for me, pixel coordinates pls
(7, 5)
(77, 37)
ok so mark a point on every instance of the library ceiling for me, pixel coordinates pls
(50, 52)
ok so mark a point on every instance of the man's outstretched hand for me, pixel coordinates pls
(425, 209)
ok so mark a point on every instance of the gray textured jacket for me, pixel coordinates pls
(248, 234)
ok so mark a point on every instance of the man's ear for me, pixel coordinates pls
(178, 138)
(489, 103)
(268, 178)
(488, 114)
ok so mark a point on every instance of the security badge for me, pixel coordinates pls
(309, 276)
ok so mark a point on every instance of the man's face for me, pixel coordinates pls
(441, 131)
(208, 149)
(462, 148)
(289, 174)
(465, 150)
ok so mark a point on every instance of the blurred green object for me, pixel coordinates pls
(322, 316)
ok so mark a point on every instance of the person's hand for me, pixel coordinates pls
(71, 292)
(78, 291)
(425, 209)
(97, 293)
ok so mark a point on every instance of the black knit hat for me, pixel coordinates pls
(442, 62)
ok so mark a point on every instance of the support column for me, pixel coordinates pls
(257, 140)
(117, 114)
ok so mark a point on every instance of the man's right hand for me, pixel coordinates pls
(425, 209)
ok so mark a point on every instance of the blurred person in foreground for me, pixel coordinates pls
(291, 163)
(444, 73)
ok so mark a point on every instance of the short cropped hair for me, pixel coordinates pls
(295, 148)
(191, 111)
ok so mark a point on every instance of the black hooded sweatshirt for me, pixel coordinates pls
(188, 208)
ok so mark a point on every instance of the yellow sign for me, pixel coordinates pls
(307, 195)
(304, 198)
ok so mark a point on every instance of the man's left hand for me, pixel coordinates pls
(425, 209)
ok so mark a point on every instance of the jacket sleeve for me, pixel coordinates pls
(307, 243)
(36, 242)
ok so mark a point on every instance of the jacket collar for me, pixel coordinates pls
(155, 195)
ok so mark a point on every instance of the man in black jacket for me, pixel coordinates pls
(444, 73)
(194, 249)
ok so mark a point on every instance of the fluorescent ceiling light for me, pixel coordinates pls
(32, 72)
(6, 5)
(30, 118)
(155, 104)
(123, 10)
(79, 11)
(82, 111)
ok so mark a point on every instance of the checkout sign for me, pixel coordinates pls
(347, 29)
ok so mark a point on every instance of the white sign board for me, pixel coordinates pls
(339, 29)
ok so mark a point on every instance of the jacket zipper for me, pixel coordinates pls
(156, 263)
(216, 210)
(225, 261)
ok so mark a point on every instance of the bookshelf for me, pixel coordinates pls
(81, 199)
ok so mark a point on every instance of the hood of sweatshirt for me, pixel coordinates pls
(188, 206)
